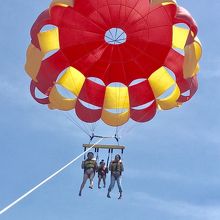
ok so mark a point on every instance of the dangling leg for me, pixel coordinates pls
(104, 180)
(99, 181)
(91, 177)
(85, 177)
(111, 186)
(119, 186)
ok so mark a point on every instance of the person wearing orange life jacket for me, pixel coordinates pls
(116, 167)
(90, 167)
(102, 171)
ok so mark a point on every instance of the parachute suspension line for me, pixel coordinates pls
(128, 129)
(71, 118)
(95, 125)
(116, 135)
(83, 125)
(86, 126)
(131, 127)
(76, 124)
(117, 138)
(47, 179)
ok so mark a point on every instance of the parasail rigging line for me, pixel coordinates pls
(71, 119)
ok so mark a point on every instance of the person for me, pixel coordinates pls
(90, 167)
(116, 167)
(102, 171)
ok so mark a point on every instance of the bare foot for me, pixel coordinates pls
(120, 197)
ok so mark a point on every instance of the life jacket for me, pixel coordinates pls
(116, 166)
(89, 164)
(102, 170)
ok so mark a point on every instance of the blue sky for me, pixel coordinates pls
(171, 164)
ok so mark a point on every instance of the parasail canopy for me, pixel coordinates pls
(120, 59)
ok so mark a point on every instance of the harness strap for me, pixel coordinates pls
(112, 153)
(109, 151)
(97, 154)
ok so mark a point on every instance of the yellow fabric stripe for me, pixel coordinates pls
(72, 80)
(160, 81)
(115, 120)
(116, 98)
(180, 36)
(62, 3)
(198, 48)
(49, 40)
(34, 58)
(193, 53)
(190, 61)
(57, 101)
(170, 101)
(163, 2)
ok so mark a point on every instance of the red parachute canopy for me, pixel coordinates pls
(137, 43)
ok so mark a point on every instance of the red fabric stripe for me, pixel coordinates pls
(43, 101)
(190, 85)
(140, 94)
(57, 14)
(82, 30)
(144, 115)
(92, 93)
(148, 47)
(183, 16)
(49, 71)
(87, 115)
(174, 62)
(42, 20)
